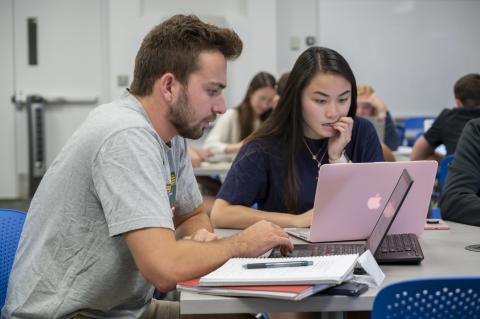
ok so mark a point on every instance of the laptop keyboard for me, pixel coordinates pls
(404, 244)
(322, 250)
(395, 248)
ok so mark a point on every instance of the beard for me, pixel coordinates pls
(182, 115)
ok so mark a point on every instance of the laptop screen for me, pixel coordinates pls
(390, 211)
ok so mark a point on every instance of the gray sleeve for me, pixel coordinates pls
(130, 184)
(188, 194)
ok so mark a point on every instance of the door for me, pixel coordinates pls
(60, 53)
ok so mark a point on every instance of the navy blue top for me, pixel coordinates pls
(391, 137)
(258, 174)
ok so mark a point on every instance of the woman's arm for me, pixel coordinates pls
(250, 180)
(226, 215)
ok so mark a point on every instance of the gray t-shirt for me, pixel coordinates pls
(114, 175)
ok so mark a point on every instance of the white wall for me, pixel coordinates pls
(254, 21)
(295, 21)
(412, 52)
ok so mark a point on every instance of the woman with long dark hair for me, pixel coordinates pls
(314, 124)
(236, 124)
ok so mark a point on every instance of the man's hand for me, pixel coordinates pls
(259, 238)
(202, 235)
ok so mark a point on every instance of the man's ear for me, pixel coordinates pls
(167, 86)
(458, 103)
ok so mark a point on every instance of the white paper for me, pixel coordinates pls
(324, 269)
(369, 264)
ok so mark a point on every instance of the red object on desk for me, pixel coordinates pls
(297, 292)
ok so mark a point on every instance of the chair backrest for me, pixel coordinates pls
(443, 170)
(429, 298)
(415, 127)
(11, 225)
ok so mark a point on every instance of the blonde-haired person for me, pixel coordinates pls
(370, 104)
(237, 123)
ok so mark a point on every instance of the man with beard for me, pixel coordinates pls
(118, 212)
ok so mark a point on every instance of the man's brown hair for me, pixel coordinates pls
(467, 90)
(174, 46)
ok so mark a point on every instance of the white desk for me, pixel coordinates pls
(403, 153)
(207, 169)
(444, 252)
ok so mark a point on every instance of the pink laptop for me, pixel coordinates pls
(350, 198)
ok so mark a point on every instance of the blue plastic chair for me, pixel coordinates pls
(429, 298)
(415, 127)
(11, 225)
(441, 180)
(443, 170)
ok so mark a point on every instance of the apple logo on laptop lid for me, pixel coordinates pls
(374, 202)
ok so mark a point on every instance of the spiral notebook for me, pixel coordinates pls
(323, 270)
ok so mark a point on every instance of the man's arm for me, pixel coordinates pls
(165, 261)
(421, 150)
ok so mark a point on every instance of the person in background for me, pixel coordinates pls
(314, 124)
(209, 186)
(198, 155)
(119, 212)
(369, 104)
(460, 201)
(237, 123)
(282, 81)
(448, 126)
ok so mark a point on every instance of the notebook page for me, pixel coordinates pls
(325, 269)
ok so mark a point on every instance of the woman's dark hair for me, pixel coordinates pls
(282, 82)
(245, 111)
(286, 123)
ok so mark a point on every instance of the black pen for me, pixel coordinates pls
(279, 264)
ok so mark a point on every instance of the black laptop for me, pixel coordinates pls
(401, 248)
